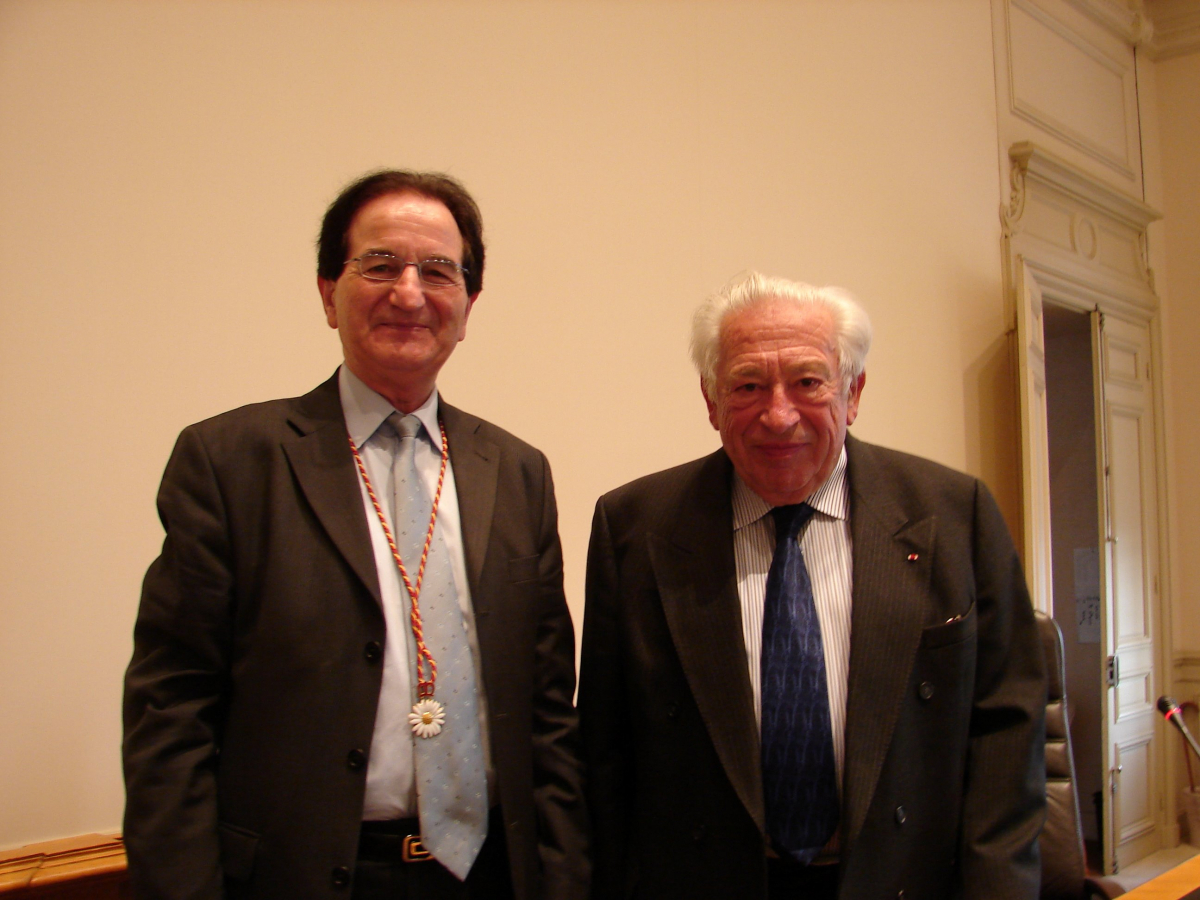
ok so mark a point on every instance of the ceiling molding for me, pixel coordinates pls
(1176, 28)
(1124, 18)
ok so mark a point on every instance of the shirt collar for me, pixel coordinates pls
(830, 499)
(365, 409)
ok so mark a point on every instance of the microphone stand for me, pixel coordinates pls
(1174, 714)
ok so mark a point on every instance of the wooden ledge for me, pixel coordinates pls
(1179, 883)
(91, 865)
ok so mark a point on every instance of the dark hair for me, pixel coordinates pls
(332, 249)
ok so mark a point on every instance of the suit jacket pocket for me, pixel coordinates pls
(238, 849)
(957, 629)
(523, 568)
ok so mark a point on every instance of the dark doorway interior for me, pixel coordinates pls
(1076, 553)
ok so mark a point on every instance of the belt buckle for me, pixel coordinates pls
(413, 850)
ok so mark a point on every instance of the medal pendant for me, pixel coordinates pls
(427, 718)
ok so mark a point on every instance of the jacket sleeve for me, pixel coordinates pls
(557, 776)
(1004, 796)
(176, 687)
(607, 749)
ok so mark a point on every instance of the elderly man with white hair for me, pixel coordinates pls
(810, 665)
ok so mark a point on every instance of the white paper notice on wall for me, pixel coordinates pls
(1087, 595)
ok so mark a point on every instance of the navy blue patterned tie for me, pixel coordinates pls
(799, 773)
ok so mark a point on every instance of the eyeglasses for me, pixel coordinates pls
(434, 273)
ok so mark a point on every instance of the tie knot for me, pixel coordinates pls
(404, 425)
(790, 519)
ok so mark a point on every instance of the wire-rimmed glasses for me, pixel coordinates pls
(433, 272)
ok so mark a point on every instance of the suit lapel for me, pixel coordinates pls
(886, 624)
(696, 577)
(476, 462)
(319, 454)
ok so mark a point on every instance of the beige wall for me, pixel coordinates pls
(164, 166)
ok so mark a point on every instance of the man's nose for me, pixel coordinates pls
(781, 413)
(407, 290)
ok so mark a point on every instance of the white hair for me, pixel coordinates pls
(851, 325)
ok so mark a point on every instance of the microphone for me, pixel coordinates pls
(1170, 709)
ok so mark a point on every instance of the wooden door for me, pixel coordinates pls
(1129, 519)
(1035, 442)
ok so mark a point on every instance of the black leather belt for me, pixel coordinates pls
(399, 840)
(395, 840)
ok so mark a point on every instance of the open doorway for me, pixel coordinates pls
(1085, 316)
(1076, 551)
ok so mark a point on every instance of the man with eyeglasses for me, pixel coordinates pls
(353, 666)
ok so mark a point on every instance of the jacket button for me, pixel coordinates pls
(673, 709)
(901, 815)
(700, 833)
(356, 760)
(925, 691)
(373, 651)
(340, 877)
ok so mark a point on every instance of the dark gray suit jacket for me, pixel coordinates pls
(257, 659)
(943, 791)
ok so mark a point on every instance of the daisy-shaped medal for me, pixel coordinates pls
(427, 718)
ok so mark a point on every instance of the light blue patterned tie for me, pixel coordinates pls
(799, 772)
(451, 782)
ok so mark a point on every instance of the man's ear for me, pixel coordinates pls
(462, 329)
(325, 286)
(712, 407)
(856, 390)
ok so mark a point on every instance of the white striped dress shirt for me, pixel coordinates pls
(825, 543)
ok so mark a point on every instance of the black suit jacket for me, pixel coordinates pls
(257, 659)
(943, 790)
